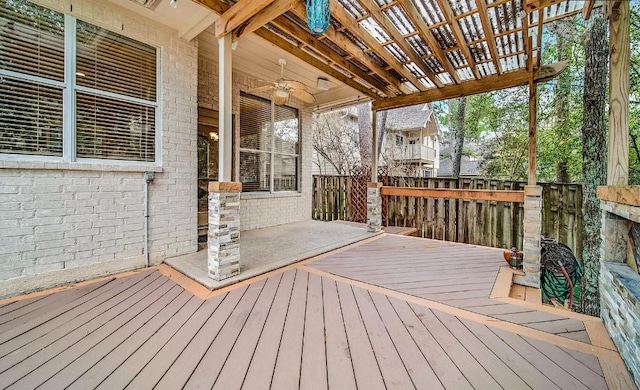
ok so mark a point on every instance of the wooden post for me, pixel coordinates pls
(225, 129)
(619, 49)
(374, 147)
(533, 121)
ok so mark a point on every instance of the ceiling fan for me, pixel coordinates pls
(283, 88)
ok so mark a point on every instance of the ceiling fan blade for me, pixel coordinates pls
(264, 88)
(302, 95)
(296, 85)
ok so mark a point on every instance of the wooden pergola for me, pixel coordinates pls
(406, 52)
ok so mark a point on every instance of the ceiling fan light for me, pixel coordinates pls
(279, 100)
(281, 93)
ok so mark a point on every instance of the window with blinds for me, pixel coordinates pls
(269, 145)
(112, 87)
(31, 79)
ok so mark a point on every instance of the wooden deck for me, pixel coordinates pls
(391, 312)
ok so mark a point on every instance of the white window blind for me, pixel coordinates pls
(269, 146)
(31, 89)
(115, 126)
(106, 100)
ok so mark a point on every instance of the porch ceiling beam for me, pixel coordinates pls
(488, 33)
(238, 14)
(414, 15)
(459, 35)
(313, 61)
(341, 15)
(485, 84)
(588, 7)
(268, 14)
(306, 38)
(345, 44)
(382, 20)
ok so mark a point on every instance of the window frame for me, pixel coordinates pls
(272, 153)
(70, 88)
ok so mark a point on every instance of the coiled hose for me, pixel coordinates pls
(561, 273)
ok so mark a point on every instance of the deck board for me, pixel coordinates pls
(339, 367)
(260, 369)
(303, 328)
(392, 367)
(123, 363)
(458, 275)
(286, 374)
(162, 360)
(231, 370)
(199, 350)
(365, 365)
(150, 313)
(313, 372)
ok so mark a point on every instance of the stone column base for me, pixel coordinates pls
(374, 207)
(223, 257)
(531, 236)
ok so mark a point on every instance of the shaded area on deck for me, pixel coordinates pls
(298, 327)
(265, 249)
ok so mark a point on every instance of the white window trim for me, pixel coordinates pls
(69, 89)
(272, 153)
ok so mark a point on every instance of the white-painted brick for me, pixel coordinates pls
(82, 214)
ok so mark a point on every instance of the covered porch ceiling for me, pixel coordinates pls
(393, 52)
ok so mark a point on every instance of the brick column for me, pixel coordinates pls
(374, 207)
(223, 260)
(531, 238)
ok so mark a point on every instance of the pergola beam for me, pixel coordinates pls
(413, 14)
(341, 15)
(313, 61)
(486, 84)
(459, 35)
(306, 38)
(238, 14)
(266, 15)
(382, 20)
(487, 27)
(338, 39)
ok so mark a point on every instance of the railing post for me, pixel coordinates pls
(223, 254)
(531, 236)
(374, 207)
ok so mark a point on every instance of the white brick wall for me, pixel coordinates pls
(262, 210)
(82, 220)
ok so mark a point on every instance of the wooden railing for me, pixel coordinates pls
(468, 210)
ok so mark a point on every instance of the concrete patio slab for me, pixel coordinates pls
(263, 250)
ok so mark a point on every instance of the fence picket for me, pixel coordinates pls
(482, 222)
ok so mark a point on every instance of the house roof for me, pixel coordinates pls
(405, 118)
(467, 167)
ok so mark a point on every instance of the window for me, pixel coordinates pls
(269, 147)
(399, 140)
(72, 90)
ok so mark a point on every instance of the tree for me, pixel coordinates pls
(364, 132)
(335, 141)
(593, 160)
(459, 137)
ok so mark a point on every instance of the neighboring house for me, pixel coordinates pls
(101, 101)
(412, 141)
(469, 165)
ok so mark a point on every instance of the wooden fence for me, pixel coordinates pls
(480, 222)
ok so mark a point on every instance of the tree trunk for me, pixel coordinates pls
(364, 133)
(459, 137)
(381, 129)
(562, 93)
(593, 159)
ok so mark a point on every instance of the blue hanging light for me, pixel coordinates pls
(318, 16)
